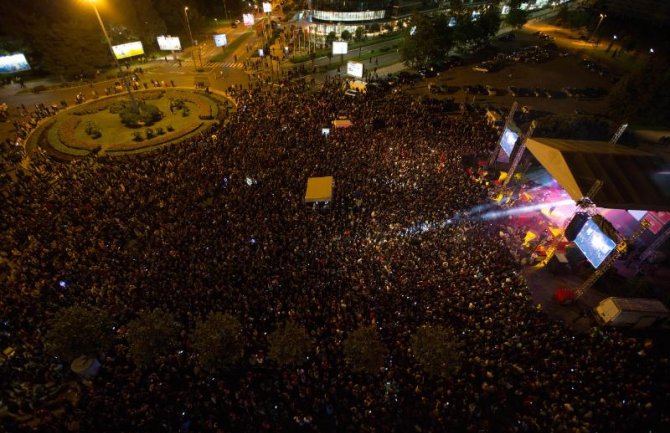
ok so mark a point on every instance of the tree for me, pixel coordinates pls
(346, 35)
(330, 38)
(153, 333)
(77, 331)
(517, 18)
(358, 34)
(364, 350)
(437, 351)
(148, 23)
(642, 95)
(358, 37)
(289, 344)
(488, 24)
(456, 7)
(426, 40)
(218, 340)
(575, 127)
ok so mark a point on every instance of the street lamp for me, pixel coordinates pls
(133, 103)
(225, 9)
(600, 21)
(188, 24)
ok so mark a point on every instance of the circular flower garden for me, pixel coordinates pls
(111, 126)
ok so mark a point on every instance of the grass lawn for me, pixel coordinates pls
(66, 133)
(231, 47)
(114, 132)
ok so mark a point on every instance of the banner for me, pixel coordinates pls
(169, 43)
(13, 63)
(220, 40)
(130, 49)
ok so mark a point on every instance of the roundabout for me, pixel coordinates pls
(108, 126)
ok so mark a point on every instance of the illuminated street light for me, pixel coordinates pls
(600, 21)
(188, 24)
(133, 103)
(651, 51)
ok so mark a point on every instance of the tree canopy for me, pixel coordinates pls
(152, 334)
(77, 331)
(426, 40)
(517, 18)
(218, 340)
(364, 350)
(289, 344)
(643, 95)
(437, 351)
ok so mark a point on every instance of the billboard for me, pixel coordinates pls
(508, 141)
(220, 40)
(169, 43)
(340, 47)
(594, 244)
(13, 63)
(267, 7)
(355, 69)
(248, 19)
(130, 49)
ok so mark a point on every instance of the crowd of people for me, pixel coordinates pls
(218, 223)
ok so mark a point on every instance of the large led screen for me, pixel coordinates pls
(220, 40)
(355, 69)
(508, 141)
(130, 49)
(248, 19)
(340, 47)
(13, 63)
(169, 43)
(594, 244)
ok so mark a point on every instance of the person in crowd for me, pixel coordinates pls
(182, 229)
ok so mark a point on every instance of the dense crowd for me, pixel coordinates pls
(218, 223)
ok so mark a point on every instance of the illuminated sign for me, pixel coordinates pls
(348, 16)
(355, 69)
(130, 49)
(267, 7)
(248, 19)
(169, 43)
(340, 47)
(13, 63)
(220, 40)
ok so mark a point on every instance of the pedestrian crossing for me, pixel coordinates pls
(207, 64)
(232, 65)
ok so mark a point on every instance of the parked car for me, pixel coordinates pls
(540, 92)
(437, 88)
(406, 77)
(507, 37)
(428, 72)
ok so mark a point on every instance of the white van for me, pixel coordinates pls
(634, 312)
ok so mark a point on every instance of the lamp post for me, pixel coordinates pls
(600, 21)
(188, 24)
(133, 102)
(225, 9)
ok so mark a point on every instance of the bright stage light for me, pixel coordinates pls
(523, 209)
